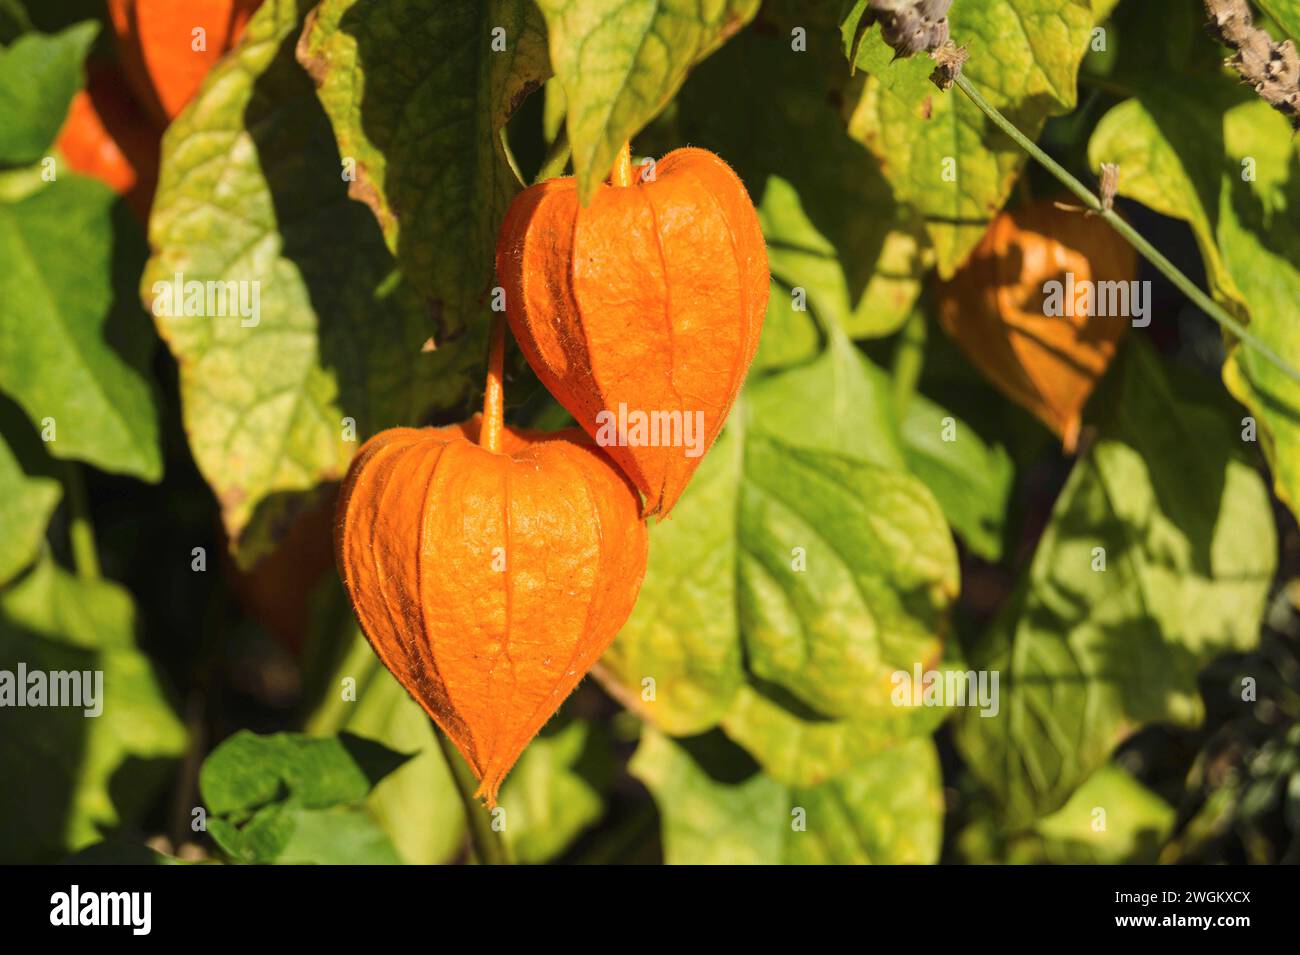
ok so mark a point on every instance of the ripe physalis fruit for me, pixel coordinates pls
(489, 568)
(1029, 309)
(107, 138)
(640, 312)
(168, 46)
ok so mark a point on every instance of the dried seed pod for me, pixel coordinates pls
(648, 302)
(1273, 69)
(910, 26)
(488, 581)
(1001, 309)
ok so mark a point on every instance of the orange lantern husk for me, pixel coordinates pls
(490, 568)
(996, 308)
(649, 301)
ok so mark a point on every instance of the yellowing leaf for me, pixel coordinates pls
(418, 94)
(718, 810)
(621, 61)
(939, 152)
(251, 193)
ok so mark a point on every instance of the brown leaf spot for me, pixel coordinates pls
(363, 190)
(316, 66)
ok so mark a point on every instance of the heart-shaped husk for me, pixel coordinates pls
(489, 583)
(489, 571)
(649, 301)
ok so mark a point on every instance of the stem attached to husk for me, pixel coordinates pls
(494, 394)
(1147, 250)
(557, 157)
(621, 174)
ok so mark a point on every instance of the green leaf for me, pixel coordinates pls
(621, 62)
(251, 192)
(839, 402)
(247, 771)
(1134, 825)
(26, 503)
(13, 21)
(336, 837)
(291, 835)
(856, 415)
(1112, 819)
(789, 334)
(1286, 13)
(801, 746)
(1086, 655)
(1213, 154)
(717, 809)
(74, 345)
(293, 799)
(832, 225)
(970, 479)
(39, 75)
(683, 632)
(424, 128)
(556, 791)
(81, 776)
(1024, 57)
(793, 581)
(419, 808)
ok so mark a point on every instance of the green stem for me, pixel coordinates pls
(557, 157)
(81, 532)
(1150, 252)
(909, 359)
(489, 848)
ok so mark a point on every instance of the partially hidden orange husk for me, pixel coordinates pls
(157, 40)
(489, 583)
(649, 300)
(108, 138)
(994, 308)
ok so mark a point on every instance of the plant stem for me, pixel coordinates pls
(81, 532)
(621, 174)
(557, 157)
(909, 358)
(1116, 222)
(488, 846)
(494, 394)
